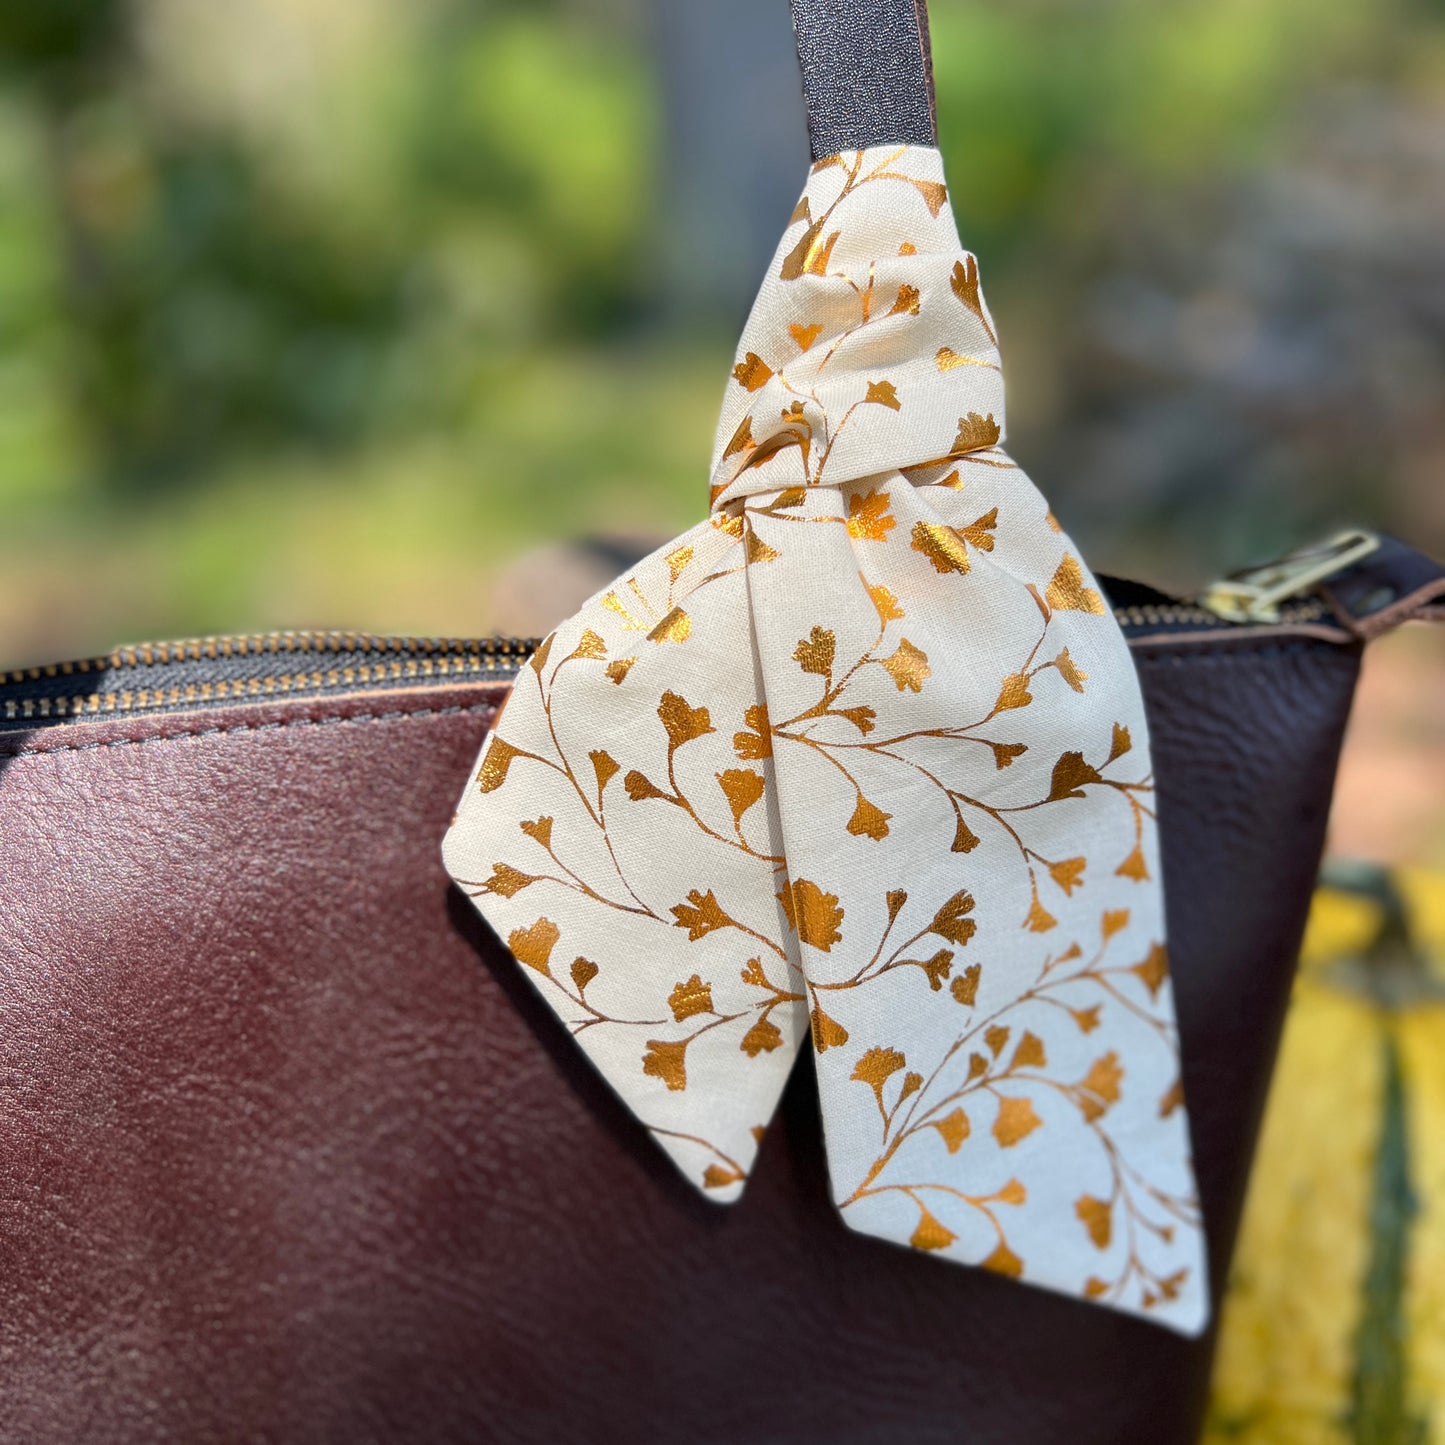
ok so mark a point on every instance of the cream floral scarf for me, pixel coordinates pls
(862, 758)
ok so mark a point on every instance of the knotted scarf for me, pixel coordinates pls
(862, 759)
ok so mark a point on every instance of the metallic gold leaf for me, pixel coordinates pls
(965, 840)
(996, 1038)
(975, 434)
(1039, 919)
(493, 772)
(912, 1083)
(1153, 969)
(1070, 777)
(1086, 1018)
(668, 1062)
(1030, 1053)
(1098, 1218)
(742, 438)
(590, 645)
(605, 766)
(677, 561)
(1005, 753)
(954, 1128)
(876, 1067)
(907, 302)
(538, 829)
(942, 546)
(1122, 743)
(805, 336)
(1134, 866)
(1005, 1262)
(583, 972)
(908, 667)
(938, 968)
(815, 653)
(1099, 1088)
(883, 393)
(828, 1033)
(947, 359)
(885, 602)
(507, 881)
(1014, 692)
(675, 627)
(718, 1176)
(683, 723)
(868, 821)
(639, 787)
(619, 668)
(752, 372)
(1016, 1120)
(965, 987)
(756, 550)
(538, 660)
(758, 742)
(952, 921)
(979, 532)
(930, 1233)
(1068, 592)
(701, 914)
(690, 998)
(742, 787)
(533, 946)
(1012, 1193)
(1069, 874)
(762, 1038)
(1113, 921)
(869, 517)
(1070, 673)
(934, 194)
(812, 914)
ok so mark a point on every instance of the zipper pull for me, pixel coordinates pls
(1255, 595)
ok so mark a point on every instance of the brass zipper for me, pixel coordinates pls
(256, 667)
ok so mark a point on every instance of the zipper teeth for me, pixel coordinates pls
(395, 660)
(1186, 613)
(211, 649)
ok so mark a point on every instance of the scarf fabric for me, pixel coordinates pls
(862, 759)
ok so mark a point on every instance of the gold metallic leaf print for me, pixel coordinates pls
(1069, 592)
(692, 997)
(498, 759)
(815, 652)
(943, 546)
(954, 1129)
(869, 518)
(1016, 1120)
(812, 914)
(1098, 1218)
(859, 764)
(929, 1233)
(533, 946)
(752, 372)
(882, 393)
(675, 627)
(668, 1062)
(975, 433)
(805, 336)
(908, 667)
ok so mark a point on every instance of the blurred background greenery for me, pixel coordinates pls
(317, 312)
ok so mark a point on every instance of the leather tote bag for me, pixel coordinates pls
(290, 1152)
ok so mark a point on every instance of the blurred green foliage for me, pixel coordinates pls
(313, 312)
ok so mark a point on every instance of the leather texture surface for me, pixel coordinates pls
(290, 1152)
(867, 74)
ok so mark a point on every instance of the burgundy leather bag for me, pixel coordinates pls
(289, 1152)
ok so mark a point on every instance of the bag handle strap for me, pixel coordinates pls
(867, 73)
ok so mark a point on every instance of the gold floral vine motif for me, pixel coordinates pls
(843, 764)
